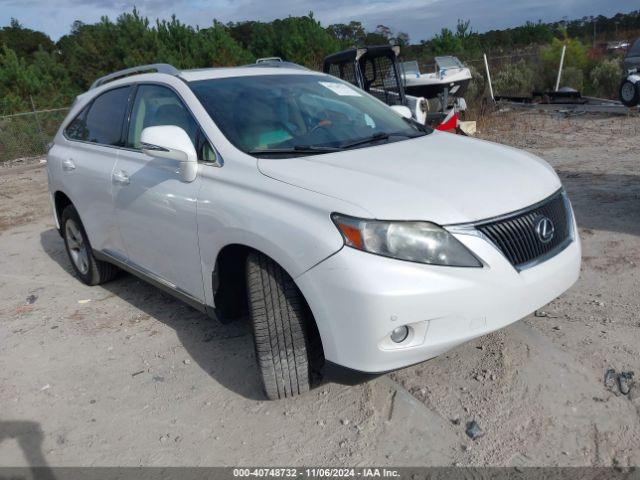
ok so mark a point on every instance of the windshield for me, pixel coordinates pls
(411, 68)
(299, 114)
(448, 62)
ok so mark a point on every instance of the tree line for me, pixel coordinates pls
(34, 68)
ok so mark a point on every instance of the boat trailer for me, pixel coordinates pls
(565, 100)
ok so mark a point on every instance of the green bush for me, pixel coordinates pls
(605, 78)
(572, 77)
(515, 79)
(575, 59)
(477, 85)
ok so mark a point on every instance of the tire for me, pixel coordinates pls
(87, 268)
(287, 344)
(629, 93)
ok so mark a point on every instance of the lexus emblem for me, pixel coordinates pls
(545, 229)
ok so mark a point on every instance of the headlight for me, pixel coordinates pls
(421, 242)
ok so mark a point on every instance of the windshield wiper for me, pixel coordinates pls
(302, 149)
(317, 149)
(378, 136)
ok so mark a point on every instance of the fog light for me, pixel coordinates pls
(400, 334)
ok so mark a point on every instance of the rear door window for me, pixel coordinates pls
(102, 121)
(634, 51)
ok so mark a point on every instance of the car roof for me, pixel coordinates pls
(265, 67)
(163, 71)
(246, 71)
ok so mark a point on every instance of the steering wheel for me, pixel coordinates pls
(324, 123)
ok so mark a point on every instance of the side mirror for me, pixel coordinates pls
(169, 141)
(402, 110)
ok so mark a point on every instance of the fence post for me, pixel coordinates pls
(43, 139)
(564, 48)
(486, 66)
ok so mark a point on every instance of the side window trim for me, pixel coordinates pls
(127, 119)
(124, 133)
(219, 162)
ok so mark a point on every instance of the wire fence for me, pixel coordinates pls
(27, 134)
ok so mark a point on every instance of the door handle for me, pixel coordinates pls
(68, 165)
(120, 177)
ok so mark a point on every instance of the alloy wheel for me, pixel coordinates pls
(77, 246)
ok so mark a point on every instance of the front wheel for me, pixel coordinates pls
(629, 93)
(286, 341)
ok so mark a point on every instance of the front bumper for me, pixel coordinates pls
(358, 298)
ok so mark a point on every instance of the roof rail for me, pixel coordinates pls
(268, 59)
(276, 64)
(157, 67)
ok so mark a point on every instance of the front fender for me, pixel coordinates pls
(289, 224)
(635, 78)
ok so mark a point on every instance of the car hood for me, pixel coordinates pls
(442, 178)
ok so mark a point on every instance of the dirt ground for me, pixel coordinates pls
(122, 374)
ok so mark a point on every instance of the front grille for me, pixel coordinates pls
(515, 235)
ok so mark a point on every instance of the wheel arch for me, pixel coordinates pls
(228, 277)
(61, 201)
(228, 283)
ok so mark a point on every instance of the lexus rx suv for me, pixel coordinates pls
(348, 233)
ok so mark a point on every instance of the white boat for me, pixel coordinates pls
(449, 73)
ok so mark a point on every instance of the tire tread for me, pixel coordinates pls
(279, 316)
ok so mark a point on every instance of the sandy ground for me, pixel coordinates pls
(124, 375)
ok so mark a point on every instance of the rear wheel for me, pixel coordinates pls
(629, 93)
(88, 269)
(287, 344)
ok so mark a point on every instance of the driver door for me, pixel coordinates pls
(156, 210)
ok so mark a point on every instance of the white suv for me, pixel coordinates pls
(349, 233)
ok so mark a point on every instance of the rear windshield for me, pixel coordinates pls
(297, 111)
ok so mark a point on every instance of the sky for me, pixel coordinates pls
(421, 19)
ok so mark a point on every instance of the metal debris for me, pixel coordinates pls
(610, 379)
(568, 102)
(473, 430)
(625, 380)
